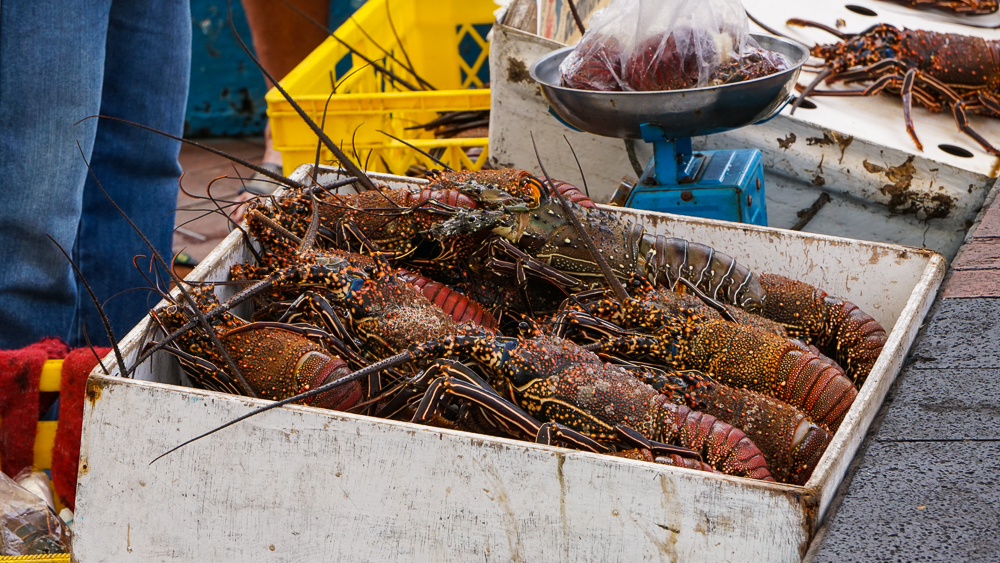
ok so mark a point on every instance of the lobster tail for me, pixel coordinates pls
(721, 445)
(817, 387)
(742, 356)
(573, 194)
(666, 260)
(859, 338)
(339, 398)
(461, 308)
(790, 442)
(839, 328)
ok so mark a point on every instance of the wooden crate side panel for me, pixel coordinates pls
(300, 484)
(877, 277)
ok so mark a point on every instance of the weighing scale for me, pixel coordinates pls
(717, 184)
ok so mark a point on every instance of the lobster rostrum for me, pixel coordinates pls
(934, 70)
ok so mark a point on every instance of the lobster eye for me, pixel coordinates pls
(533, 190)
(888, 53)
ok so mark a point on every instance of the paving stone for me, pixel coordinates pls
(990, 225)
(961, 333)
(979, 254)
(942, 404)
(972, 283)
(919, 501)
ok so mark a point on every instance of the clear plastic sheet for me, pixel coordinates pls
(28, 526)
(643, 45)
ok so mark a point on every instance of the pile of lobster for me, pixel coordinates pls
(499, 303)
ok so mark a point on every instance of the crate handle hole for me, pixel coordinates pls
(861, 10)
(956, 151)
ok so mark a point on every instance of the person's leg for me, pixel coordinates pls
(147, 71)
(282, 38)
(51, 64)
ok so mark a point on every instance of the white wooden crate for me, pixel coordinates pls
(304, 484)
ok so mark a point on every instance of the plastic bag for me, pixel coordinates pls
(36, 483)
(643, 45)
(27, 525)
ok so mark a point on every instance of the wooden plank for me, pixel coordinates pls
(303, 484)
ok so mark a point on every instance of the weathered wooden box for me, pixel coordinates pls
(303, 484)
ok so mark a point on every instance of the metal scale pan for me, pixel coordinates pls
(723, 184)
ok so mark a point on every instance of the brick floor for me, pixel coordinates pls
(976, 268)
(200, 168)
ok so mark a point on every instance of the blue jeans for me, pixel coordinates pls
(62, 61)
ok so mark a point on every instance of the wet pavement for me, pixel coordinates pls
(924, 485)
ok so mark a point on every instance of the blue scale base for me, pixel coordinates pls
(719, 184)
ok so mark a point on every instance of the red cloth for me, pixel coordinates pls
(20, 371)
(66, 451)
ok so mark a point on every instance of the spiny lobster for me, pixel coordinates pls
(737, 355)
(791, 443)
(935, 70)
(839, 328)
(548, 236)
(278, 360)
(556, 380)
(966, 7)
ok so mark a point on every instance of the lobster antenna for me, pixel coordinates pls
(806, 23)
(319, 144)
(276, 177)
(609, 274)
(765, 27)
(723, 312)
(86, 338)
(428, 155)
(392, 27)
(246, 235)
(389, 362)
(97, 303)
(582, 175)
(180, 285)
(576, 17)
(310, 237)
(809, 89)
(344, 161)
(360, 55)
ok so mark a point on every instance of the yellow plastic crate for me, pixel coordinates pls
(54, 558)
(446, 43)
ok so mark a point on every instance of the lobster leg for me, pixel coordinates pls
(906, 92)
(962, 120)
